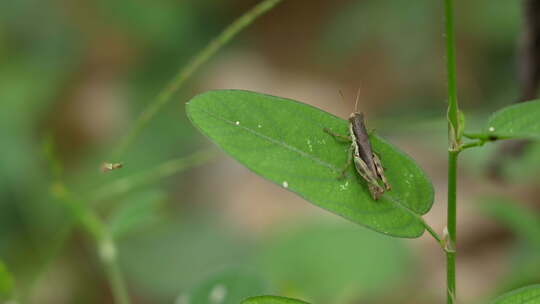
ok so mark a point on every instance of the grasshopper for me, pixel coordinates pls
(366, 162)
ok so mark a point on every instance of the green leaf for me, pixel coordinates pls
(158, 257)
(272, 300)
(521, 120)
(283, 141)
(525, 295)
(6, 283)
(228, 287)
(354, 264)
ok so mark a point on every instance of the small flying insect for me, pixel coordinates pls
(107, 167)
(366, 162)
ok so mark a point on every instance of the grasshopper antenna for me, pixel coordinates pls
(357, 99)
(342, 96)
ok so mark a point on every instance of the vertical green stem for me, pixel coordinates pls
(451, 226)
(84, 214)
(165, 95)
(94, 226)
(454, 134)
(107, 252)
(453, 111)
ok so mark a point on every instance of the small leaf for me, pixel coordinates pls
(272, 300)
(6, 283)
(228, 287)
(353, 264)
(283, 141)
(521, 120)
(525, 295)
(158, 258)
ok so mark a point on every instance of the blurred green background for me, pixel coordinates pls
(75, 74)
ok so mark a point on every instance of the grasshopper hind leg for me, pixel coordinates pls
(373, 186)
(380, 172)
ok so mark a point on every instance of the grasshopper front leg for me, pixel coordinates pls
(348, 164)
(342, 138)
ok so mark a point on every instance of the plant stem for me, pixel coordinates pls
(476, 136)
(431, 231)
(107, 252)
(451, 226)
(168, 168)
(453, 111)
(165, 95)
(473, 144)
(90, 221)
(454, 136)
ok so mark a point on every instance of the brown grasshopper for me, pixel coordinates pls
(366, 162)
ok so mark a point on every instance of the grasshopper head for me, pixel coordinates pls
(356, 116)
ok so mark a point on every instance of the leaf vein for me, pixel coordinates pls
(277, 142)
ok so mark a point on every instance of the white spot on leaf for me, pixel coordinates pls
(237, 122)
(344, 186)
(491, 129)
(285, 184)
(310, 146)
(259, 126)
